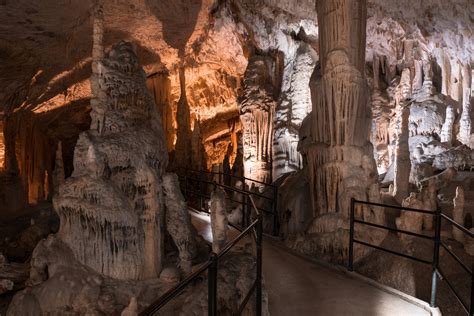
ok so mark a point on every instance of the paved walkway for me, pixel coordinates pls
(298, 287)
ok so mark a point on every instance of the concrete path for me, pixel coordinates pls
(299, 287)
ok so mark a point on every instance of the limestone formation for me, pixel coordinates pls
(111, 208)
(458, 213)
(465, 127)
(257, 108)
(218, 209)
(178, 221)
(340, 158)
(58, 173)
(402, 159)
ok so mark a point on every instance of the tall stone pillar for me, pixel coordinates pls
(465, 122)
(341, 160)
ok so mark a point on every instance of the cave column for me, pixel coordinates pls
(465, 122)
(341, 160)
(257, 107)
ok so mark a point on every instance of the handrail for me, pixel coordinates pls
(201, 193)
(211, 265)
(230, 175)
(436, 269)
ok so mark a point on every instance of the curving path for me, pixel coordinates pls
(300, 287)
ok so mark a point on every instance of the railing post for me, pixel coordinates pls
(212, 286)
(351, 236)
(275, 211)
(249, 211)
(434, 276)
(471, 306)
(259, 265)
(200, 190)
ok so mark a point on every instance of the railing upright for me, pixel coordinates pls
(275, 211)
(351, 236)
(212, 285)
(259, 264)
(200, 190)
(435, 264)
(471, 306)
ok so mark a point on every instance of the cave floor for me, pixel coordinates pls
(297, 286)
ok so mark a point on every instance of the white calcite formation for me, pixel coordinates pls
(111, 208)
(339, 155)
(465, 127)
(219, 222)
(257, 108)
(402, 161)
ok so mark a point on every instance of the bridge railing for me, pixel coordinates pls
(437, 271)
(254, 227)
(199, 183)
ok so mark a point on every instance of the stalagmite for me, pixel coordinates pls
(458, 213)
(429, 193)
(447, 129)
(465, 121)
(111, 208)
(58, 173)
(402, 158)
(178, 221)
(218, 208)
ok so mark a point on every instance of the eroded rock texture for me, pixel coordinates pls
(111, 208)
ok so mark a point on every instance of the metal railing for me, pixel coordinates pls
(255, 228)
(437, 272)
(204, 180)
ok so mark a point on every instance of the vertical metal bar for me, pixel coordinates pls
(351, 236)
(249, 211)
(275, 211)
(212, 286)
(471, 307)
(434, 276)
(259, 265)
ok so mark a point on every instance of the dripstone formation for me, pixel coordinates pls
(111, 208)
